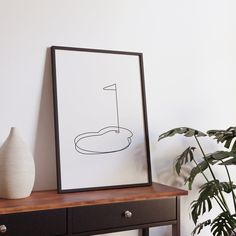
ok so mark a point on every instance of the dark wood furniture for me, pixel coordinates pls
(95, 212)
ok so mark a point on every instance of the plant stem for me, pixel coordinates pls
(230, 182)
(219, 201)
(212, 173)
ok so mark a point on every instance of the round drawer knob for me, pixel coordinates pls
(3, 229)
(128, 214)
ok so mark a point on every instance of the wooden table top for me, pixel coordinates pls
(46, 200)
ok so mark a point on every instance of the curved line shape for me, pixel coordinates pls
(101, 132)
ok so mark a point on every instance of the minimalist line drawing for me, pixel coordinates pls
(109, 139)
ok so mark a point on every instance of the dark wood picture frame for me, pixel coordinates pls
(61, 78)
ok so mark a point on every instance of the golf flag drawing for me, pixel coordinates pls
(109, 139)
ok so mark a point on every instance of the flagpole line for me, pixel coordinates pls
(117, 110)
(113, 87)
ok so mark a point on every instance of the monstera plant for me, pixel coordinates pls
(213, 191)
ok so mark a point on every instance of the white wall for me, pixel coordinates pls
(189, 55)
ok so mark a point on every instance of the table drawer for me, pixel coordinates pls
(92, 218)
(40, 223)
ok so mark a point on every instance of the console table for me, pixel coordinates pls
(47, 213)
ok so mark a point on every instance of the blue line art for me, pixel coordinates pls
(109, 139)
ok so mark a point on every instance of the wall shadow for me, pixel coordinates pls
(44, 148)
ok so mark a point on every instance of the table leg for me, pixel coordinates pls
(176, 227)
(145, 232)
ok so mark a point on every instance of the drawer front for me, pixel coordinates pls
(40, 223)
(92, 218)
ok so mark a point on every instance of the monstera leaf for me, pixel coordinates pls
(213, 191)
(225, 136)
(223, 224)
(230, 156)
(220, 156)
(212, 159)
(201, 167)
(188, 156)
(200, 226)
(206, 193)
(231, 161)
(188, 132)
(203, 203)
(185, 157)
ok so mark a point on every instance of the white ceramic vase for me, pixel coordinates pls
(17, 169)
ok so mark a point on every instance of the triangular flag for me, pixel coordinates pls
(110, 87)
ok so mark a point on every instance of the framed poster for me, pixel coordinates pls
(100, 119)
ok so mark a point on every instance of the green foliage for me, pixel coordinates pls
(213, 190)
(188, 156)
(200, 167)
(187, 132)
(230, 156)
(185, 157)
(223, 224)
(225, 136)
(208, 191)
(200, 226)
(199, 207)
(231, 161)
(212, 159)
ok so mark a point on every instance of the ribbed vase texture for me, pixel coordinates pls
(17, 169)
